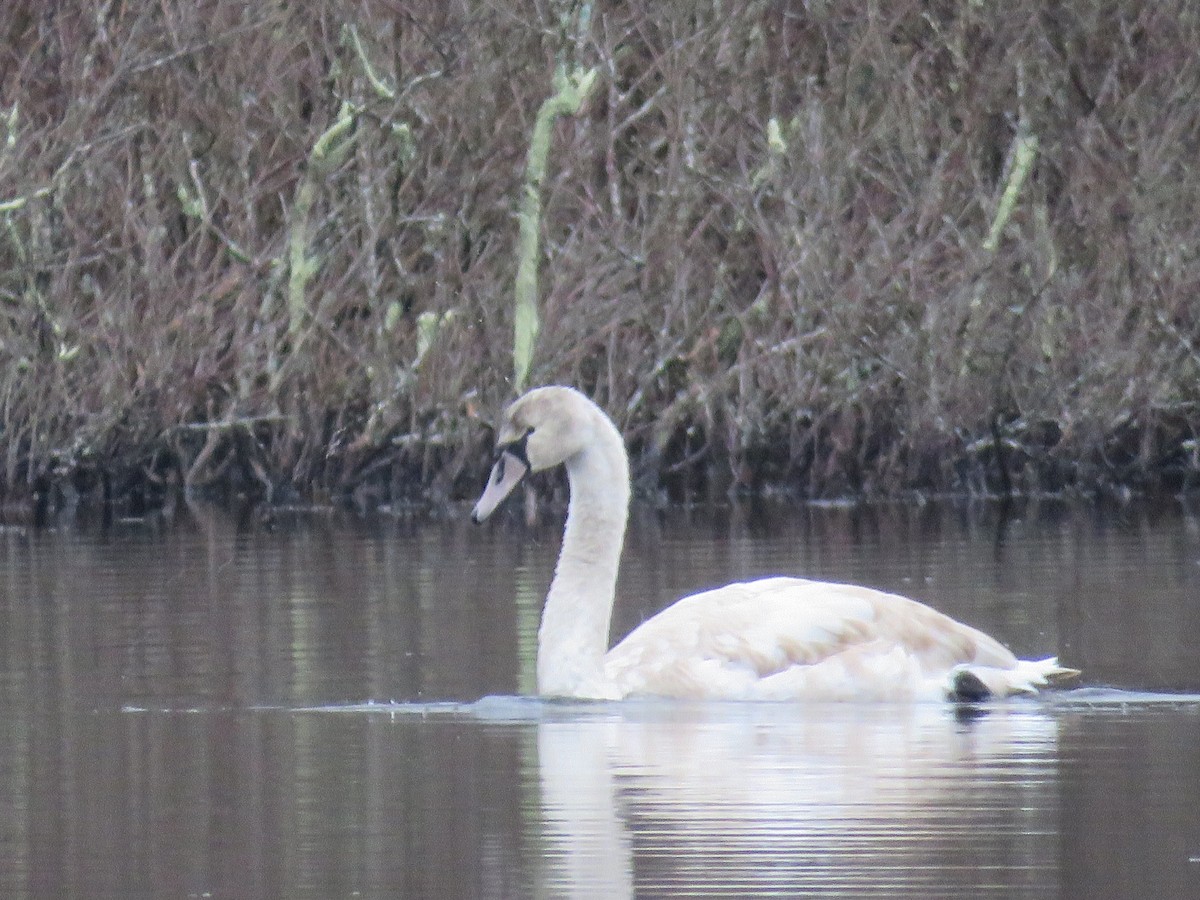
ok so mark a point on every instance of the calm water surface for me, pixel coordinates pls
(223, 708)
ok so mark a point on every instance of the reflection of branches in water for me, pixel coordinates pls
(767, 798)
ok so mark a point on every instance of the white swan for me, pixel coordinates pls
(775, 638)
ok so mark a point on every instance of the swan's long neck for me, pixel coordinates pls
(573, 637)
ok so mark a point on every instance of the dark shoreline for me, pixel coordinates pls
(135, 494)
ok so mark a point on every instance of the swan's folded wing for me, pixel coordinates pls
(791, 637)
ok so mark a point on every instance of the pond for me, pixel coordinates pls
(321, 705)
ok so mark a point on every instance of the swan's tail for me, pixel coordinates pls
(974, 683)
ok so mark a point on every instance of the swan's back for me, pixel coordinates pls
(779, 638)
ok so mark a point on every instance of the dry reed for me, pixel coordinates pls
(832, 248)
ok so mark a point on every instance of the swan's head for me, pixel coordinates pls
(541, 429)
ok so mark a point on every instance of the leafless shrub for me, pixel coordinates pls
(766, 241)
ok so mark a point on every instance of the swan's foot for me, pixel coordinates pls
(967, 687)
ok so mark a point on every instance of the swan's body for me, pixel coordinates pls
(775, 638)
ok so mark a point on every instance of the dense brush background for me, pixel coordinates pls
(764, 242)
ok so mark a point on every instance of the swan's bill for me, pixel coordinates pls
(507, 473)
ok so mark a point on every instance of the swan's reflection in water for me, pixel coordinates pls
(743, 800)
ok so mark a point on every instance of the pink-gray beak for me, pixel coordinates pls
(507, 473)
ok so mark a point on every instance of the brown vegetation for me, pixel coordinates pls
(271, 245)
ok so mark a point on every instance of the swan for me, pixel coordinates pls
(777, 638)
